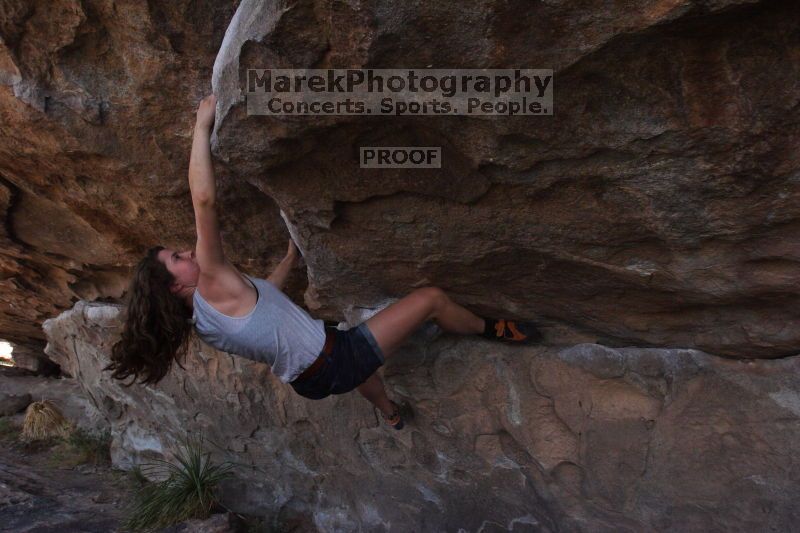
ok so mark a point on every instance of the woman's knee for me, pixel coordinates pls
(435, 296)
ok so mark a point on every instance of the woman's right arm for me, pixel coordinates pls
(209, 252)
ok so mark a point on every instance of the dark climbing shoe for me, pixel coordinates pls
(514, 332)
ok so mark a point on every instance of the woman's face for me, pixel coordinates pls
(182, 265)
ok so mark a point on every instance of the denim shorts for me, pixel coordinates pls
(354, 358)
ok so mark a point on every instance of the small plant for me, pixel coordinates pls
(81, 447)
(137, 477)
(187, 491)
(44, 420)
(94, 446)
(8, 429)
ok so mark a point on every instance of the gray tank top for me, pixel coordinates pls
(277, 331)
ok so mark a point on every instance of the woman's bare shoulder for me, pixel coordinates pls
(227, 290)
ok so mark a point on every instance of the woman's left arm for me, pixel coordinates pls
(281, 272)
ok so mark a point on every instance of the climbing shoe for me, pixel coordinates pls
(511, 331)
(395, 419)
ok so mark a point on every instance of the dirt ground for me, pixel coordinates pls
(54, 485)
(49, 485)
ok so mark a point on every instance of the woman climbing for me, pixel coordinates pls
(173, 292)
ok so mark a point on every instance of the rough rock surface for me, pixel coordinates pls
(97, 104)
(585, 438)
(36, 497)
(11, 404)
(42, 488)
(653, 216)
(658, 206)
(71, 398)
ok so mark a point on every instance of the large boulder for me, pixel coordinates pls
(650, 225)
(579, 438)
(657, 206)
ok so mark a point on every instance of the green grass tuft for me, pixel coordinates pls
(186, 493)
(137, 477)
(81, 447)
(8, 429)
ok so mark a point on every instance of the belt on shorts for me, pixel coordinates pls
(330, 335)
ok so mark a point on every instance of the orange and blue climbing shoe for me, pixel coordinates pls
(511, 331)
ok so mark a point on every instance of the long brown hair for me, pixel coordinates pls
(157, 325)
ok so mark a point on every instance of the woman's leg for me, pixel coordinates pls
(392, 325)
(372, 389)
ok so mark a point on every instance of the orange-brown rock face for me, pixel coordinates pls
(658, 206)
(97, 105)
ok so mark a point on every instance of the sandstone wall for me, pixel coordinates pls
(585, 438)
(650, 225)
(658, 206)
(97, 104)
